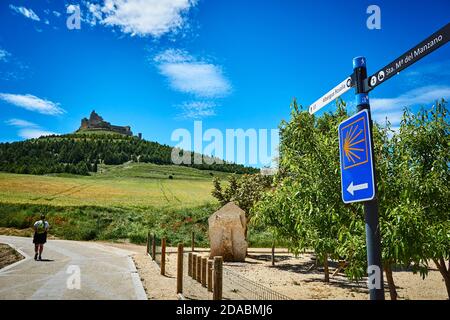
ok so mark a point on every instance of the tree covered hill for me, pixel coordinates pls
(81, 152)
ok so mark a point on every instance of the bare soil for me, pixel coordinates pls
(295, 277)
(28, 232)
(8, 255)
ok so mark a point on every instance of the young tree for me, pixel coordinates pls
(307, 202)
(423, 148)
(413, 192)
(245, 191)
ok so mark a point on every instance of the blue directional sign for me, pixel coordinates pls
(357, 177)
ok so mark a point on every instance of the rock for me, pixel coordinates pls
(227, 233)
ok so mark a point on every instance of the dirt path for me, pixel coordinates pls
(291, 276)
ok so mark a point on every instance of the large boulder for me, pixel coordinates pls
(227, 233)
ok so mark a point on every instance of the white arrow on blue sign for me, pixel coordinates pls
(357, 176)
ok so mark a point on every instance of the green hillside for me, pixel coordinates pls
(87, 132)
(82, 152)
(153, 171)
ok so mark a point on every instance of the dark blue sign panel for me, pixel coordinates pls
(357, 177)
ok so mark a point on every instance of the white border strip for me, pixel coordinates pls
(137, 284)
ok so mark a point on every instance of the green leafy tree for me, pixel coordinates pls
(413, 191)
(306, 206)
(422, 149)
(245, 191)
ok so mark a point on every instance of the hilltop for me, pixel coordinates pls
(95, 124)
(97, 142)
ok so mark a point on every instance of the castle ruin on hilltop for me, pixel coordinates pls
(96, 122)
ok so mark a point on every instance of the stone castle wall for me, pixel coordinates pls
(96, 122)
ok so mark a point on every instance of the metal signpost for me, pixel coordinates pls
(358, 172)
(367, 175)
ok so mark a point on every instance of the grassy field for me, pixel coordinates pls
(125, 186)
(117, 203)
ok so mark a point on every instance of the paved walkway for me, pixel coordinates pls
(105, 272)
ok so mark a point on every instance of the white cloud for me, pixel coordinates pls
(189, 75)
(197, 109)
(173, 56)
(34, 133)
(29, 130)
(141, 17)
(15, 69)
(21, 123)
(29, 13)
(4, 55)
(394, 117)
(392, 108)
(32, 103)
(56, 14)
(436, 68)
(95, 13)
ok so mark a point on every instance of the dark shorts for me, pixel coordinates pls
(40, 238)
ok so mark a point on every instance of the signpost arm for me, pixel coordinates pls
(373, 239)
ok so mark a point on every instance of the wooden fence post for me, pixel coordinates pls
(194, 266)
(163, 256)
(204, 263)
(210, 267)
(148, 243)
(193, 241)
(153, 246)
(190, 264)
(180, 269)
(273, 252)
(218, 274)
(199, 269)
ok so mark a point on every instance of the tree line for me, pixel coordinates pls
(82, 153)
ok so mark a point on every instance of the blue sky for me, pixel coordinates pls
(159, 65)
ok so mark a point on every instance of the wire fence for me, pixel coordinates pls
(158, 251)
(192, 289)
(198, 283)
(238, 287)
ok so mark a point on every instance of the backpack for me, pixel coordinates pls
(41, 227)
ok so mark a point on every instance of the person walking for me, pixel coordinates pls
(40, 236)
